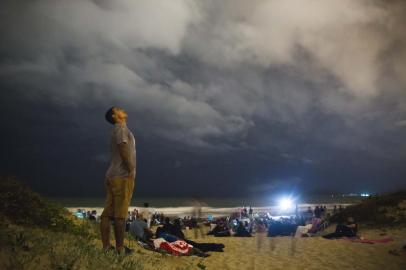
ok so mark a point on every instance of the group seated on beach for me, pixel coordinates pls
(235, 227)
(298, 226)
(90, 215)
(169, 239)
(308, 223)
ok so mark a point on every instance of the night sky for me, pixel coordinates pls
(225, 98)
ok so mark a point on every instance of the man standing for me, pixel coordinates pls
(120, 178)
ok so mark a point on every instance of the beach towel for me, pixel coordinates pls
(176, 248)
(368, 241)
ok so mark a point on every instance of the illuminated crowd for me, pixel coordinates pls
(242, 223)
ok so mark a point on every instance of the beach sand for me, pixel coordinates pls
(261, 252)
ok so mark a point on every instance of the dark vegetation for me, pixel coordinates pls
(38, 234)
(21, 206)
(387, 209)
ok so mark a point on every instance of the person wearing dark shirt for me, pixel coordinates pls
(168, 227)
(242, 231)
(177, 229)
(317, 212)
(349, 229)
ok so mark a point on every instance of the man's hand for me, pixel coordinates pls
(131, 174)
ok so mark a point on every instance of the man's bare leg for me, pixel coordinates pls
(105, 232)
(119, 233)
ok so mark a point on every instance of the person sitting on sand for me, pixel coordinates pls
(248, 226)
(241, 231)
(311, 228)
(220, 230)
(317, 212)
(172, 229)
(147, 214)
(177, 229)
(344, 230)
(301, 231)
(139, 229)
(133, 215)
(308, 214)
(93, 215)
(168, 227)
(259, 226)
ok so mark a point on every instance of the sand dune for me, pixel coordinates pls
(261, 252)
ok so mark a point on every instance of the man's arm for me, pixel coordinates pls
(126, 156)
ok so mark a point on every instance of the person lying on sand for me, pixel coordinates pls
(344, 230)
(140, 231)
(220, 230)
(166, 231)
(311, 229)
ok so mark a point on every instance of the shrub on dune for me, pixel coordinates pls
(387, 209)
(20, 205)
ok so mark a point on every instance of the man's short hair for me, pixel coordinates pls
(109, 115)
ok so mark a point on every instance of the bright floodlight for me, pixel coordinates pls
(286, 204)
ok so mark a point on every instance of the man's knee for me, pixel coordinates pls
(119, 221)
(106, 218)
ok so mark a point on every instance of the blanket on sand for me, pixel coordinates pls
(368, 241)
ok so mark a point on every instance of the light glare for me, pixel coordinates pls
(286, 204)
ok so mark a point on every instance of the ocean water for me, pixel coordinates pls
(210, 206)
(211, 202)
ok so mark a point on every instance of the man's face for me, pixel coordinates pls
(119, 115)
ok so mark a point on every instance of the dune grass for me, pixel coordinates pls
(389, 209)
(38, 234)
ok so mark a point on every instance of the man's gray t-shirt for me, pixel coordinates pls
(120, 134)
(137, 228)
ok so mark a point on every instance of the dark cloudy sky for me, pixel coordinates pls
(224, 97)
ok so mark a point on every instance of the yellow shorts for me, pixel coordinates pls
(119, 193)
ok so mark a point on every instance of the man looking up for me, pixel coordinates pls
(120, 178)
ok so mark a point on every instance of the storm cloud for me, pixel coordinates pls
(252, 92)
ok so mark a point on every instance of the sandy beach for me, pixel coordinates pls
(79, 246)
(261, 252)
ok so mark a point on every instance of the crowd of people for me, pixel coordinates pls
(90, 215)
(243, 223)
(306, 223)
(240, 224)
(168, 236)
